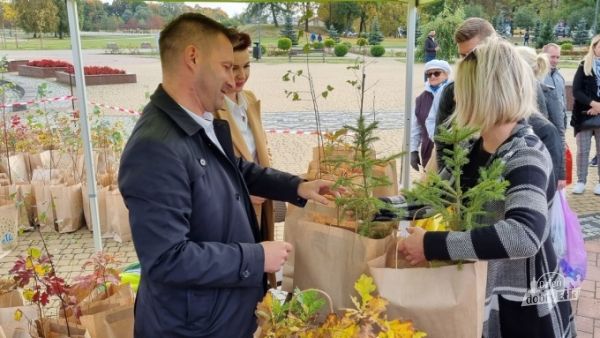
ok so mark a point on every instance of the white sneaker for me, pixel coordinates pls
(597, 189)
(579, 188)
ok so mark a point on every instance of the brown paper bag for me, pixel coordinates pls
(9, 225)
(44, 206)
(4, 179)
(25, 201)
(94, 312)
(293, 215)
(10, 302)
(443, 301)
(117, 216)
(57, 328)
(20, 169)
(101, 193)
(68, 208)
(119, 322)
(331, 258)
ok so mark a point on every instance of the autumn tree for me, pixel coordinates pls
(8, 15)
(37, 17)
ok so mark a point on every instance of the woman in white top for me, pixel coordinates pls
(242, 110)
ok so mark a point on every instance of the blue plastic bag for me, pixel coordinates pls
(574, 263)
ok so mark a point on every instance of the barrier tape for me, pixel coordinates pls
(292, 132)
(68, 98)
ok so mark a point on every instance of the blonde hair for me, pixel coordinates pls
(493, 86)
(538, 62)
(588, 59)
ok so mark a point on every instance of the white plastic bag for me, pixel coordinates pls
(556, 220)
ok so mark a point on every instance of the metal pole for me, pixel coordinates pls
(83, 120)
(408, 94)
(595, 18)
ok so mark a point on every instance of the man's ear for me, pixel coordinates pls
(191, 56)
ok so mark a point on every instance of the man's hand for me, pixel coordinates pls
(595, 105)
(257, 200)
(415, 160)
(276, 254)
(314, 190)
(561, 184)
(412, 246)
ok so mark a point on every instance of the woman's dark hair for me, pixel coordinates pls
(242, 42)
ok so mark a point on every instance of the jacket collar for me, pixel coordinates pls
(166, 103)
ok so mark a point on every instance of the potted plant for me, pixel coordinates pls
(96, 75)
(42, 68)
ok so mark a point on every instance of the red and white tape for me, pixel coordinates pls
(292, 132)
(68, 98)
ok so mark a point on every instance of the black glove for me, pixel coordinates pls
(415, 160)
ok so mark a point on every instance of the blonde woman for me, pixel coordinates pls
(586, 90)
(515, 241)
(550, 106)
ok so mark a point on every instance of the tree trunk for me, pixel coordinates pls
(361, 26)
(306, 8)
(3, 35)
(274, 14)
(16, 40)
(41, 40)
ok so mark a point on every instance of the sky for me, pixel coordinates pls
(231, 8)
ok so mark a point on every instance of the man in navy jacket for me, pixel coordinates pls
(193, 225)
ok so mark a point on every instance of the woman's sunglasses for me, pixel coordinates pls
(436, 73)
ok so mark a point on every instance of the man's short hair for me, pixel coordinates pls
(186, 29)
(550, 45)
(473, 27)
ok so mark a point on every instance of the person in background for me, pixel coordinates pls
(319, 38)
(586, 91)
(242, 111)
(526, 38)
(437, 73)
(467, 36)
(550, 106)
(431, 47)
(202, 257)
(514, 239)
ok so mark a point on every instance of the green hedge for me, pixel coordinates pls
(377, 50)
(340, 49)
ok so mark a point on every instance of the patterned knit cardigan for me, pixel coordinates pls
(516, 243)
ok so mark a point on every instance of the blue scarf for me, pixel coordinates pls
(434, 89)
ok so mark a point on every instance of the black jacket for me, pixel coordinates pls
(193, 225)
(585, 90)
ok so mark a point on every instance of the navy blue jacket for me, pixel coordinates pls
(193, 225)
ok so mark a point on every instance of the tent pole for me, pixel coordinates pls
(83, 120)
(408, 94)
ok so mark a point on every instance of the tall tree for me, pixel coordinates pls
(256, 11)
(37, 17)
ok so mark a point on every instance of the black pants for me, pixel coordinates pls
(518, 321)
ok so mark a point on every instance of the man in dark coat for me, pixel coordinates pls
(431, 47)
(193, 226)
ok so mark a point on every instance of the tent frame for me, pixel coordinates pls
(82, 104)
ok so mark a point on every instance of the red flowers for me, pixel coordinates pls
(48, 63)
(97, 70)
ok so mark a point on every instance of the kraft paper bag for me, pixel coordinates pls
(95, 312)
(332, 259)
(117, 216)
(293, 215)
(57, 328)
(10, 302)
(445, 301)
(119, 322)
(25, 200)
(101, 198)
(19, 167)
(9, 226)
(44, 206)
(68, 208)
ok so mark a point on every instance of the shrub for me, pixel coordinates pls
(329, 43)
(340, 49)
(284, 43)
(263, 50)
(361, 42)
(348, 44)
(567, 47)
(377, 50)
(317, 45)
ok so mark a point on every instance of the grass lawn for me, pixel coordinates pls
(87, 42)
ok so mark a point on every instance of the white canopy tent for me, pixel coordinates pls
(82, 103)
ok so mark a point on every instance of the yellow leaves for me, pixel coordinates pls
(40, 270)
(18, 315)
(34, 253)
(28, 294)
(365, 286)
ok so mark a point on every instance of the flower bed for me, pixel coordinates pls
(13, 65)
(95, 75)
(42, 68)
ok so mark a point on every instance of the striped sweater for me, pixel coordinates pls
(516, 243)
